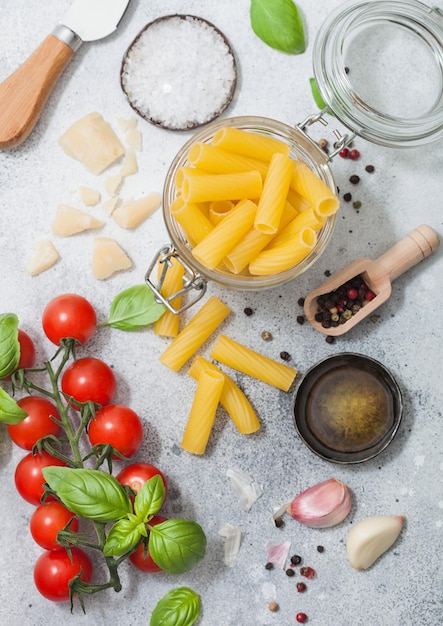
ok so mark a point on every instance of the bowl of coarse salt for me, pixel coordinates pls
(179, 72)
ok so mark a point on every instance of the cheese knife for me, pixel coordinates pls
(23, 94)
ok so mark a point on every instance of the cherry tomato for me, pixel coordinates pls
(136, 474)
(89, 379)
(119, 426)
(142, 561)
(69, 315)
(53, 570)
(27, 351)
(47, 520)
(29, 478)
(38, 423)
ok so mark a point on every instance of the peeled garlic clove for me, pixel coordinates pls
(323, 505)
(371, 537)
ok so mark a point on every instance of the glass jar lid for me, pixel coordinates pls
(379, 68)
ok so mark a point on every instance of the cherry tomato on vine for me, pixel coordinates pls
(69, 315)
(136, 474)
(89, 379)
(53, 570)
(119, 426)
(47, 520)
(28, 477)
(37, 424)
(144, 561)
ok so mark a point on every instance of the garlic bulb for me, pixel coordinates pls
(371, 537)
(323, 505)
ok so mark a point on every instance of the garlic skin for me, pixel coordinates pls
(371, 537)
(323, 505)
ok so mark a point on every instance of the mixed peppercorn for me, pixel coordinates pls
(340, 305)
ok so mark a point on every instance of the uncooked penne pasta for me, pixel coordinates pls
(307, 219)
(296, 200)
(186, 171)
(232, 398)
(168, 324)
(195, 333)
(210, 187)
(273, 197)
(218, 210)
(243, 359)
(215, 246)
(218, 161)
(201, 417)
(248, 143)
(311, 187)
(253, 242)
(195, 224)
(281, 258)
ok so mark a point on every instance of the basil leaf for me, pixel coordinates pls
(149, 498)
(318, 99)
(92, 494)
(134, 308)
(179, 607)
(278, 24)
(177, 545)
(10, 411)
(9, 345)
(124, 536)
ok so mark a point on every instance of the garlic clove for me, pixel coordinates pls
(323, 505)
(371, 537)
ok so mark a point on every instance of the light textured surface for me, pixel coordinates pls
(404, 587)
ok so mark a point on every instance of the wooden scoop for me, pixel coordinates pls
(378, 275)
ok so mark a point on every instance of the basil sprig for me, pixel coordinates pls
(179, 607)
(176, 545)
(9, 345)
(279, 25)
(134, 308)
(92, 494)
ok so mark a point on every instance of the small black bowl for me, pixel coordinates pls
(347, 408)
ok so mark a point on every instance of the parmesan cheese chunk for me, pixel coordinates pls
(92, 141)
(110, 204)
(108, 258)
(113, 184)
(126, 124)
(89, 196)
(131, 213)
(43, 257)
(134, 139)
(129, 163)
(69, 221)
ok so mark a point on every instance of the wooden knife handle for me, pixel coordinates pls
(24, 94)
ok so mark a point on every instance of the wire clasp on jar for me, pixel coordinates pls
(191, 280)
(341, 140)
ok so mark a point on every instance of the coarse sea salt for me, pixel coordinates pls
(179, 72)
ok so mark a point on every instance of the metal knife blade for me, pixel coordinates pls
(94, 19)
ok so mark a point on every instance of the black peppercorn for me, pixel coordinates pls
(285, 356)
(301, 302)
(290, 572)
(248, 311)
(269, 565)
(370, 168)
(347, 197)
(354, 179)
(320, 549)
(295, 559)
(330, 339)
(300, 319)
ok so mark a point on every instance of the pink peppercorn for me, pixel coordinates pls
(354, 154)
(344, 153)
(352, 293)
(369, 295)
(301, 618)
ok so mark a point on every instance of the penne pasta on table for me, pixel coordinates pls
(168, 324)
(201, 417)
(195, 333)
(232, 398)
(239, 357)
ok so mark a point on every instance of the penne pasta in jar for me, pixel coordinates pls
(218, 161)
(218, 210)
(249, 144)
(215, 246)
(311, 187)
(210, 187)
(232, 398)
(273, 197)
(280, 258)
(194, 222)
(243, 359)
